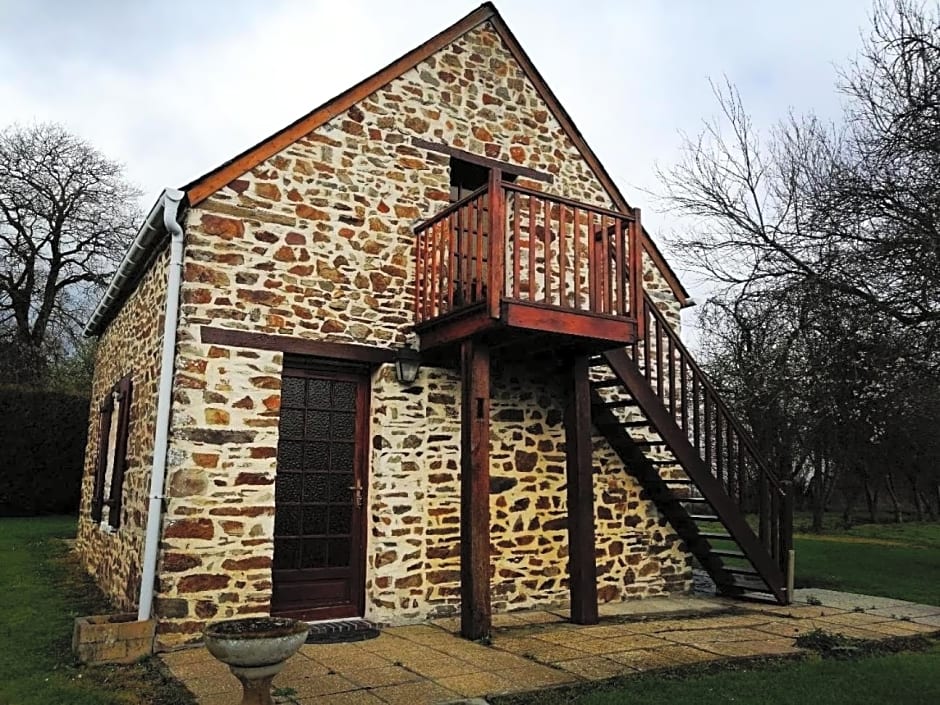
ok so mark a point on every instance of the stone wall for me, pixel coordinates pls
(414, 551)
(317, 242)
(130, 344)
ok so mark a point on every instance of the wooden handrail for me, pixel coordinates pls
(509, 186)
(706, 385)
(508, 241)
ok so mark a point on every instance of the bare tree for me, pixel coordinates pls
(66, 216)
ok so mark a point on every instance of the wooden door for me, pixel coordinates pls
(320, 495)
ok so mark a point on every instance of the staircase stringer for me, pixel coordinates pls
(697, 471)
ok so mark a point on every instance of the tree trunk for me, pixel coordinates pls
(898, 514)
(818, 495)
(871, 499)
(915, 496)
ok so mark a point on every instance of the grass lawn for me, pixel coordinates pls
(43, 592)
(890, 560)
(899, 679)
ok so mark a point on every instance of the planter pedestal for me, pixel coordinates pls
(255, 650)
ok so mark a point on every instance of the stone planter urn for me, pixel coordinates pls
(255, 650)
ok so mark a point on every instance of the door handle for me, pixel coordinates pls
(358, 494)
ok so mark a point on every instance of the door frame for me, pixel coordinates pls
(309, 366)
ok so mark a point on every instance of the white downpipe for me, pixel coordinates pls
(171, 203)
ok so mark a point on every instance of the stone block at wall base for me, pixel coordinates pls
(112, 638)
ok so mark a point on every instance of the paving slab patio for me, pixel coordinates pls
(429, 663)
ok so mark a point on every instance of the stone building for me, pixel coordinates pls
(278, 457)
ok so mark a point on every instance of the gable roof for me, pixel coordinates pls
(207, 184)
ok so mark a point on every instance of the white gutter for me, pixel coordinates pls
(170, 206)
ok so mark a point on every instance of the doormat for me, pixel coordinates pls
(341, 630)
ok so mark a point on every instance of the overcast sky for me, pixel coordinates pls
(173, 88)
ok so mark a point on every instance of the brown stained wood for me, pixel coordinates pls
(696, 414)
(576, 233)
(125, 390)
(569, 202)
(547, 249)
(719, 446)
(531, 248)
(621, 272)
(516, 246)
(700, 473)
(670, 349)
(582, 564)
(452, 260)
(480, 239)
(465, 322)
(551, 319)
(659, 359)
(592, 270)
(647, 353)
(471, 158)
(608, 267)
(637, 304)
(684, 395)
(707, 438)
(475, 610)
(364, 354)
(207, 184)
(497, 241)
(435, 234)
(562, 259)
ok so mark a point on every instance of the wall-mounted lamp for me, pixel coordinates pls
(407, 364)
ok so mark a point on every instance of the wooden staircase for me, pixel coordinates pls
(694, 460)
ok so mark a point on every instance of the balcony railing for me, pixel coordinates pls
(505, 242)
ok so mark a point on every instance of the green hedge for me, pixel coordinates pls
(41, 452)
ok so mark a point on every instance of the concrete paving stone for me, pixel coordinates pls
(812, 611)
(507, 620)
(378, 677)
(855, 619)
(846, 600)
(533, 675)
(420, 693)
(593, 667)
(210, 686)
(199, 669)
(538, 617)
(767, 647)
(602, 631)
(221, 698)
(928, 621)
(684, 654)
(559, 636)
(476, 684)
(643, 659)
(709, 636)
(899, 628)
(789, 627)
(316, 685)
(854, 632)
(909, 610)
(440, 667)
(742, 620)
(353, 660)
(353, 697)
(496, 660)
(623, 643)
(304, 667)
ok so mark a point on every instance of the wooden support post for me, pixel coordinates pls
(582, 565)
(497, 244)
(475, 614)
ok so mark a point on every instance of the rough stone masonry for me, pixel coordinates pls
(317, 242)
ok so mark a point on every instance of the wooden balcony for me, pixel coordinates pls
(509, 264)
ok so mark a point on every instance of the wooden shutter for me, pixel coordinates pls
(116, 494)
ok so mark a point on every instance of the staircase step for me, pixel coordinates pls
(649, 444)
(606, 383)
(740, 571)
(703, 517)
(727, 553)
(618, 404)
(711, 536)
(697, 500)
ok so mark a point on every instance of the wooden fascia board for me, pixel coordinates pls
(203, 187)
